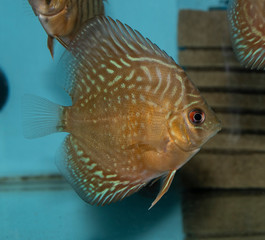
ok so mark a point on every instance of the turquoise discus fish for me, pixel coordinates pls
(135, 115)
(247, 27)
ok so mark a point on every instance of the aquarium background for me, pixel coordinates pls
(35, 202)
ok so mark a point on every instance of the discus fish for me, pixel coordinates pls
(61, 19)
(135, 115)
(247, 27)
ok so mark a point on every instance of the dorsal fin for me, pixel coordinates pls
(103, 39)
(118, 36)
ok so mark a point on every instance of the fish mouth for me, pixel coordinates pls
(218, 128)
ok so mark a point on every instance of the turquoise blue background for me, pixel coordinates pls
(53, 211)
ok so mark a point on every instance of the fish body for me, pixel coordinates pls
(62, 19)
(135, 115)
(247, 27)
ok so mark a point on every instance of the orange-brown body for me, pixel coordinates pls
(130, 119)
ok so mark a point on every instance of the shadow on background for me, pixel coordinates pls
(3, 89)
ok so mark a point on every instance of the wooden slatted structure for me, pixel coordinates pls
(224, 195)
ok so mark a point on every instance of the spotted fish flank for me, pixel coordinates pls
(247, 27)
(99, 186)
(62, 19)
(135, 115)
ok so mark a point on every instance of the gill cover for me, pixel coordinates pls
(179, 131)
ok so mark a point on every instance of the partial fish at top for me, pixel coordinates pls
(62, 19)
(247, 27)
(135, 115)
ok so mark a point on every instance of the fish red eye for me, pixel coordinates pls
(196, 116)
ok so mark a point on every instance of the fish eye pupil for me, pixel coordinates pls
(196, 116)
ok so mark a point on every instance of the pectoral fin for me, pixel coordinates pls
(154, 146)
(165, 186)
(141, 147)
(50, 44)
(60, 40)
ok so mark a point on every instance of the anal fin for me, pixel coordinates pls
(93, 183)
(166, 184)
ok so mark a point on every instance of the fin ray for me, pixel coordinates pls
(41, 117)
(99, 37)
(165, 186)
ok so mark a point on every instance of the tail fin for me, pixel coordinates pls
(41, 117)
